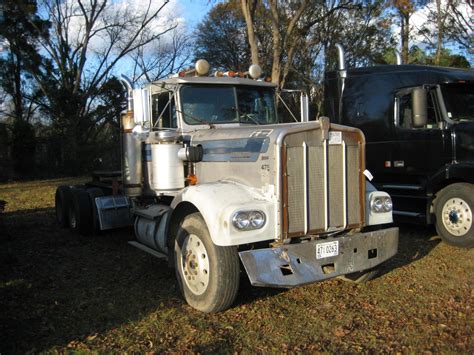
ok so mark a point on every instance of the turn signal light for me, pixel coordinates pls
(192, 179)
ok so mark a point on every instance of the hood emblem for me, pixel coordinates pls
(325, 126)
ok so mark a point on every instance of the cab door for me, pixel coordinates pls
(418, 153)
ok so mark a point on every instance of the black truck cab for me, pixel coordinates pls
(419, 127)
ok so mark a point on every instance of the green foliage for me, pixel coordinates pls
(221, 38)
(20, 27)
(83, 141)
(365, 33)
(23, 147)
(419, 56)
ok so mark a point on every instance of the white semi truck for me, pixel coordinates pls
(212, 181)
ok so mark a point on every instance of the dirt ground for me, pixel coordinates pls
(63, 292)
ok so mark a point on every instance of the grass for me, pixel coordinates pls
(62, 292)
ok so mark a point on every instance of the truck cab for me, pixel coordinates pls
(211, 181)
(419, 125)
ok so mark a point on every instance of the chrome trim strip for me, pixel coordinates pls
(401, 187)
(344, 181)
(408, 214)
(325, 174)
(305, 187)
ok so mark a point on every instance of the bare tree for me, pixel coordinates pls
(162, 57)
(116, 30)
(405, 10)
(290, 24)
(460, 24)
(88, 38)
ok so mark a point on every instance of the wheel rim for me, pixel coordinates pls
(457, 216)
(72, 219)
(59, 211)
(195, 264)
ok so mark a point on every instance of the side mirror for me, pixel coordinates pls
(420, 110)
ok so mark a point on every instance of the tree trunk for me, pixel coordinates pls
(18, 90)
(276, 66)
(250, 30)
(405, 34)
(439, 39)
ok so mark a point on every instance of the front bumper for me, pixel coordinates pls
(296, 264)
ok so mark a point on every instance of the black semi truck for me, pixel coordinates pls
(419, 126)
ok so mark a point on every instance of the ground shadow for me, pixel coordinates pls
(57, 287)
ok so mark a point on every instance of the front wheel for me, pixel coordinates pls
(208, 275)
(454, 208)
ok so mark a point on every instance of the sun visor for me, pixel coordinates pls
(141, 105)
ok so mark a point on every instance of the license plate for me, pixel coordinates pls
(325, 250)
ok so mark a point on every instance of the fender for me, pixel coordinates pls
(450, 173)
(458, 171)
(219, 201)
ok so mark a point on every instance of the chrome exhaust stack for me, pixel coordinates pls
(341, 59)
(132, 174)
(342, 74)
(127, 85)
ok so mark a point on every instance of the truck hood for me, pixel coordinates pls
(245, 131)
(273, 132)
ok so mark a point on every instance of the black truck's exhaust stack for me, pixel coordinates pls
(341, 78)
(398, 57)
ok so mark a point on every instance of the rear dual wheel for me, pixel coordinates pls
(62, 202)
(76, 208)
(80, 212)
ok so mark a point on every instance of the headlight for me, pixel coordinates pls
(387, 204)
(380, 204)
(248, 220)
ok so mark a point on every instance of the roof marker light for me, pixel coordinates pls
(255, 71)
(202, 67)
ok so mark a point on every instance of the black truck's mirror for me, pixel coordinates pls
(420, 110)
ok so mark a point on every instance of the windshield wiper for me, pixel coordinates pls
(196, 119)
(247, 116)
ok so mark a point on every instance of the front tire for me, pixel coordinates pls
(208, 275)
(454, 207)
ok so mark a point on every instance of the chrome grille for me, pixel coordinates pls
(322, 183)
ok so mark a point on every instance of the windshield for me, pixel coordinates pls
(227, 104)
(459, 101)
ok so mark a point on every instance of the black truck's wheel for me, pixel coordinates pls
(80, 212)
(454, 208)
(93, 193)
(208, 275)
(62, 202)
